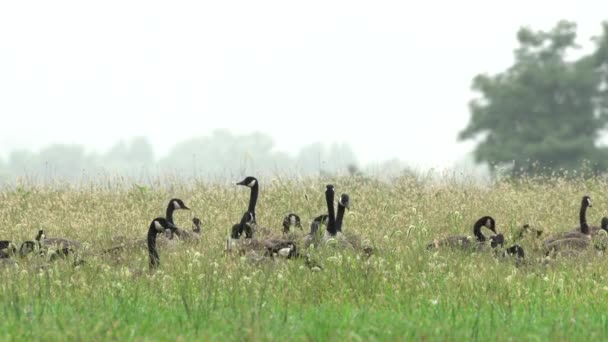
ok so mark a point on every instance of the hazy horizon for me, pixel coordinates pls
(391, 80)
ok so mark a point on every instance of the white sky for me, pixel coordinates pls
(391, 78)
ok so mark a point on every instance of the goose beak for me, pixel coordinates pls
(241, 182)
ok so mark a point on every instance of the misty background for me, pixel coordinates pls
(144, 89)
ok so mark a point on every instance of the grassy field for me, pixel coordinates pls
(402, 292)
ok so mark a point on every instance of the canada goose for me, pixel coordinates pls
(252, 183)
(193, 235)
(595, 230)
(28, 247)
(565, 240)
(466, 242)
(196, 227)
(291, 220)
(515, 250)
(7, 249)
(526, 230)
(350, 240)
(61, 247)
(176, 204)
(158, 225)
(312, 236)
(262, 247)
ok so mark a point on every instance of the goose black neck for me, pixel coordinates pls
(154, 258)
(331, 214)
(583, 219)
(253, 198)
(477, 230)
(340, 217)
(169, 214)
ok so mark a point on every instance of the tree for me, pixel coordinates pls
(545, 111)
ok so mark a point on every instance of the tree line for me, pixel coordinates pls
(221, 155)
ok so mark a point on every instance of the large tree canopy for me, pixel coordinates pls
(548, 109)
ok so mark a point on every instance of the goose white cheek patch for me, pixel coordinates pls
(488, 223)
(251, 184)
(158, 226)
(176, 205)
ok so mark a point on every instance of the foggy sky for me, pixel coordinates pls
(391, 78)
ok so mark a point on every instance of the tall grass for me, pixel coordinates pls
(402, 292)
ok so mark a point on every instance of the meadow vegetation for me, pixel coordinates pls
(403, 292)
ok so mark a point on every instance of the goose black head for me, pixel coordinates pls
(329, 188)
(515, 250)
(489, 223)
(248, 182)
(344, 201)
(40, 235)
(236, 232)
(161, 224)
(586, 202)
(177, 204)
(196, 225)
(604, 224)
(497, 240)
(291, 220)
(8, 247)
(26, 248)
(322, 219)
(317, 222)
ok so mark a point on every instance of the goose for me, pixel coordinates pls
(526, 230)
(7, 249)
(603, 226)
(185, 235)
(252, 183)
(164, 239)
(176, 204)
(158, 225)
(577, 240)
(515, 250)
(255, 247)
(196, 227)
(334, 222)
(466, 242)
(312, 237)
(28, 247)
(291, 220)
(61, 247)
(351, 240)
